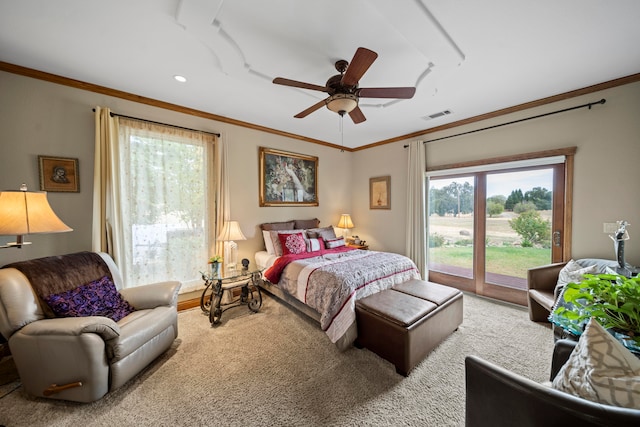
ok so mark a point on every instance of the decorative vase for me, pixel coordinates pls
(215, 269)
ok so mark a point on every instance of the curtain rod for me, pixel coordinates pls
(589, 105)
(112, 114)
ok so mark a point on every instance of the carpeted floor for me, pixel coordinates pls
(9, 379)
(277, 367)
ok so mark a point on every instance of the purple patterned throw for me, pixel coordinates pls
(97, 298)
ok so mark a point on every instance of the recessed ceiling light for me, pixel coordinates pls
(181, 79)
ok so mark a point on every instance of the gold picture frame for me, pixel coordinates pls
(287, 179)
(380, 192)
(59, 174)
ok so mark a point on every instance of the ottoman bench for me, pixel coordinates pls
(405, 323)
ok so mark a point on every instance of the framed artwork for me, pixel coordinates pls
(287, 179)
(58, 174)
(380, 192)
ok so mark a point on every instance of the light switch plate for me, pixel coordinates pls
(609, 227)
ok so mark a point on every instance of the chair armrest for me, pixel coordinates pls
(102, 326)
(153, 295)
(544, 277)
(562, 349)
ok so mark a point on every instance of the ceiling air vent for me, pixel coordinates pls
(438, 114)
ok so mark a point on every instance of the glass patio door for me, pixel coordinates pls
(488, 228)
(520, 224)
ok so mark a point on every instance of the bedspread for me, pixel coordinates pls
(331, 283)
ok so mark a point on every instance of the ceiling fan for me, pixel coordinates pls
(343, 89)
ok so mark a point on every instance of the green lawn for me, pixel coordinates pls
(510, 261)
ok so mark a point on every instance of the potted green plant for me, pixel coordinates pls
(614, 301)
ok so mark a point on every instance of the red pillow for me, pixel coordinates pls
(292, 243)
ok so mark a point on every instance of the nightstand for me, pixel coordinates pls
(363, 247)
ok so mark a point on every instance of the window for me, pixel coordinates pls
(165, 203)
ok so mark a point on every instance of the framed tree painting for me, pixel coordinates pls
(287, 179)
(58, 174)
(380, 192)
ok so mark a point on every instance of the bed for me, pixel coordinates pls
(312, 269)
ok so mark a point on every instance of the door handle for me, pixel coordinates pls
(556, 238)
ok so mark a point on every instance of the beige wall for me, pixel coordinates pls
(38, 117)
(606, 176)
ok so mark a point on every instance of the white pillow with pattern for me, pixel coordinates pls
(601, 369)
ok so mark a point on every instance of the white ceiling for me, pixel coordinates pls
(467, 56)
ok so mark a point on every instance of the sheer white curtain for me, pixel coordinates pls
(416, 237)
(162, 179)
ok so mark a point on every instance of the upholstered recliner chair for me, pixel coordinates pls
(117, 333)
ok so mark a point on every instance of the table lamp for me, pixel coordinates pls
(231, 231)
(345, 223)
(27, 212)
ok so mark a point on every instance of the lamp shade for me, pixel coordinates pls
(231, 231)
(28, 212)
(345, 221)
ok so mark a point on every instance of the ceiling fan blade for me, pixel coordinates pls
(357, 116)
(359, 65)
(294, 83)
(311, 109)
(387, 92)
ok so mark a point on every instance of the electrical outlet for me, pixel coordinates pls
(609, 227)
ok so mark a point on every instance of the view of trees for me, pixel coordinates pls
(455, 199)
(541, 197)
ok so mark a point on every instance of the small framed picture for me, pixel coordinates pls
(380, 192)
(58, 174)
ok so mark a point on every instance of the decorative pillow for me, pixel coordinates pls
(314, 244)
(275, 239)
(268, 243)
(327, 233)
(307, 223)
(287, 225)
(292, 243)
(572, 272)
(334, 243)
(97, 298)
(601, 369)
(609, 270)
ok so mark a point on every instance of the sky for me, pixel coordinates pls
(503, 183)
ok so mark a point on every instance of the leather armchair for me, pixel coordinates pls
(541, 282)
(497, 397)
(82, 358)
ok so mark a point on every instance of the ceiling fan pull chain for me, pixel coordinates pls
(342, 132)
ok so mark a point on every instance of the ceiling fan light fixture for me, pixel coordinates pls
(342, 102)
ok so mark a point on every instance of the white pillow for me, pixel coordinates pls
(313, 244)
(601, 369)
(572, 273)
(334, 243)
(268, 243)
